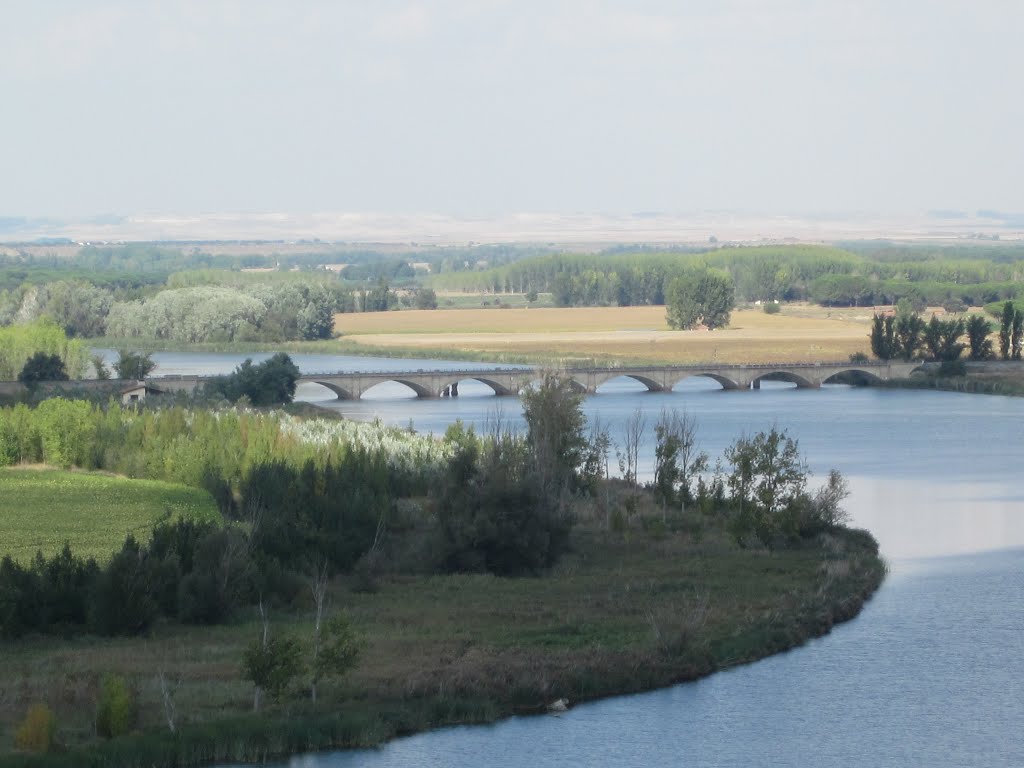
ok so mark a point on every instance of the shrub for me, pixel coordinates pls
(115, 710)
(771, 308)
(36, 732)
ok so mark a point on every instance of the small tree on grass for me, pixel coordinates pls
(37, 731)
(115, 710)
(272, 664)
(677, 460)
(768, 478)
(337, 652)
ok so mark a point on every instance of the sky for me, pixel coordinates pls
(485, 107)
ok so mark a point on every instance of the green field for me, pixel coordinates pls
(41, 509)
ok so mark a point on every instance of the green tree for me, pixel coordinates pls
(42, 367)
(676, 458)
(767, 480)
(133, 365)
(336, 652)
(1006, 330)
(1017, 334)
(942, 338)
(269, 383)
(425, 299)
(909, 335)
(115, 710)
(556, 432)
(884, 344)
(100, 367)
(978, 330)
(272, 665)
(700, 297)
(315, 321)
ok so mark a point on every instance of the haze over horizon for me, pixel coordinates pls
(476, 108)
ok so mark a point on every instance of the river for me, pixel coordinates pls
(930, 674)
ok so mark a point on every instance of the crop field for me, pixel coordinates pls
(40, 509)
(625, 334)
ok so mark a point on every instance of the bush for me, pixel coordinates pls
(115, 710)
(36, 732)
(952, 368)
(771, 308)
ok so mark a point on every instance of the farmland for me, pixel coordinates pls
(623, 334)
(40, 509)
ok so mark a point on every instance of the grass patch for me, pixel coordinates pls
(40, 509)
(623, 612)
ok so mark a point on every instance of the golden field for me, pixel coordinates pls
(636, 334)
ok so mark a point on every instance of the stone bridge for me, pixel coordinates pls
(510, 381)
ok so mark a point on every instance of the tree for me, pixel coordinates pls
(133, 365)
(269, 383)
(338, 652)
(768, 478)
(315, 321)
(700, 297)
(883, 337)
(425, 299)
(632, 437)
(942, 337)
(555, 432)
(1006, 329)
(677, 459)
(42, 367)
(978, 329)
(909, 334)
(100, 367)
(1017, 334)
(272, 664)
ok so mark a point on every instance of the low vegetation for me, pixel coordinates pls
(42, 509)
(361, 582)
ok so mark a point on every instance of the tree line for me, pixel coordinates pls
(826, 275)
(905, 335)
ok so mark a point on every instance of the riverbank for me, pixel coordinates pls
(635, 609)
(990, 377)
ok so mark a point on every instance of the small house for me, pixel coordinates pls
(138, 392)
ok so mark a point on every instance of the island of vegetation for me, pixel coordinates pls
(187, 585)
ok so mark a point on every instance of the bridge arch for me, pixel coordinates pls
(497, 387)
(854, 373)
(604, 378)
(341, 392)
(419, 390)
(725, 381)
(802, 382)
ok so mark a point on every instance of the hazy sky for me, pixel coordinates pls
(478, 107)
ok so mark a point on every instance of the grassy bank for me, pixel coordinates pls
(999, 378)
(40, 509)
(628, 610)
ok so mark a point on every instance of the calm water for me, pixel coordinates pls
(930, 674)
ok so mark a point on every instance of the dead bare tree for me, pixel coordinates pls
(257, 695)
(633, 435)
(167, 691)
(318, 586)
